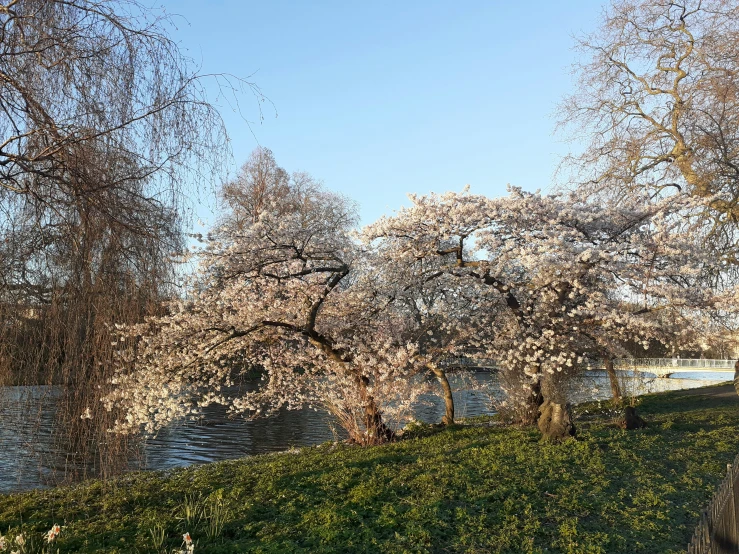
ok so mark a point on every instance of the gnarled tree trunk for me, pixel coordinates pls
(523, 396)
(555, 421)
(736, 376)
(376, 432)
(440, 374)
(534, 403)
(555, 414)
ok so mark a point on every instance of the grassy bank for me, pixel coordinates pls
(465, 489)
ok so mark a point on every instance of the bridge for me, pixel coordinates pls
(665, 367)
(661, 367)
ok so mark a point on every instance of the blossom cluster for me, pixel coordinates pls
(560, 279)
(351, 321)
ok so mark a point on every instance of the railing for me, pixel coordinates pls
(718, 532)
(471, 360)
(674, 362)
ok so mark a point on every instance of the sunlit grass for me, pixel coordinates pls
(477, 488)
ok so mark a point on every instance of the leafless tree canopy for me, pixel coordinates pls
(105, 129)
(262, 184)
(657, 103)
(103, 122)
(259, 182)
(102, 78)
(101, 118)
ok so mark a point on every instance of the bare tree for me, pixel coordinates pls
(101, 118)
(105, 72)
(259, 182)
(104, 130)
(657, 104)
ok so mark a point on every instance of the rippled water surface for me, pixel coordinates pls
(31, 458)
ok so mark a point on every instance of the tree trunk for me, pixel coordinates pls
(615, 387)
(555, 421)
(736, 376)
(448, 418)
(533, 405)
(632, 420)
(376, 432)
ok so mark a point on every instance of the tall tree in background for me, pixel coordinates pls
(259, 182)
(657, 106)
(101, 118)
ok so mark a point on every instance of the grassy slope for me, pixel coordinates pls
(465, 489)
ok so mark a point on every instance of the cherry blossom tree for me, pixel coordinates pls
(292, 292)
(557, 280)
(354, 323)
(431, 310)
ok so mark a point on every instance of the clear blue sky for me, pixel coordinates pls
(379, 99)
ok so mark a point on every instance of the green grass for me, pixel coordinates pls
(465, 489)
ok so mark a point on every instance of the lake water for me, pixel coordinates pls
(31, 458)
